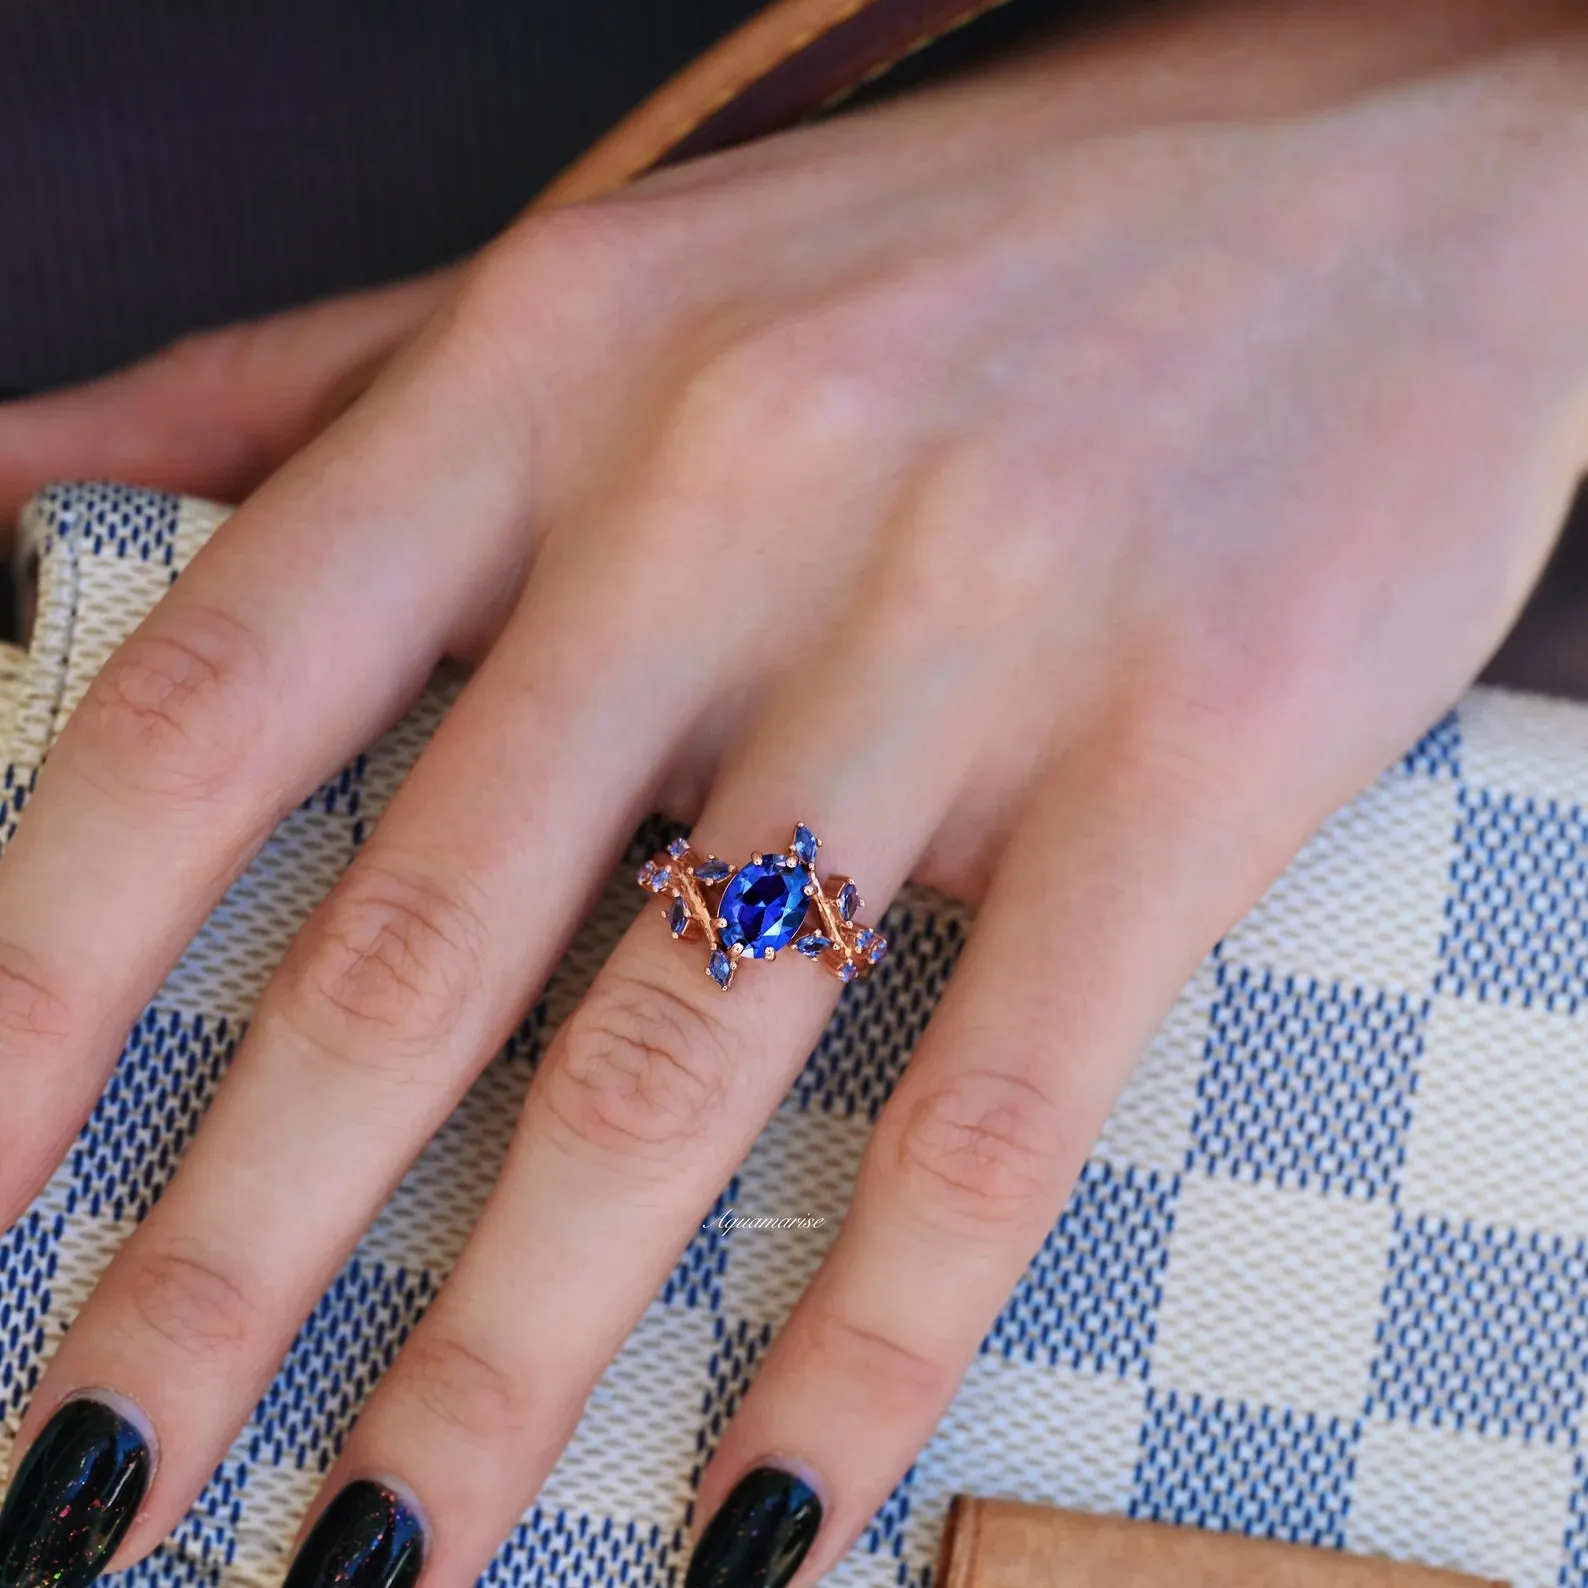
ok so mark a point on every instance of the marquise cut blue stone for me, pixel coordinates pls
(712, 870)
(764, 905)
(678, 916)
(721, 967)
(848, 901)
(805, 844)
(813, 945)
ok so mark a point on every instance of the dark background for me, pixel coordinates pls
(168, 164)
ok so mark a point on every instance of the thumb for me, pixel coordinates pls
(217, 412)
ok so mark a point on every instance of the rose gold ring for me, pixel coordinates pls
(753, 911)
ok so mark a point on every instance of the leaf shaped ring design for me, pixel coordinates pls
(753, 911)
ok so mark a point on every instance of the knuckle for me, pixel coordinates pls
(982, 1148)
(178, 711)
(987, 551)
(572, 255)
(558, 284)
(896, 1377)
(794, 382)
(465, 1390)
(389, 966)
(1206, 714)
(570, 237)
(33, 1009)
(637, 1065)
(1176, 752)
(192, 1303)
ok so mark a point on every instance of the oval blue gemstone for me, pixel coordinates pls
(764, 905)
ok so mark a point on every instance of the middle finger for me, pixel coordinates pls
(299, 631)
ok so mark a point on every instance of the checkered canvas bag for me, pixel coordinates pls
(1324, 1279)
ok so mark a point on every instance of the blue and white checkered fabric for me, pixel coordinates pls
(1325, 1278)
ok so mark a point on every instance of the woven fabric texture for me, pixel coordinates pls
(1324, 1279)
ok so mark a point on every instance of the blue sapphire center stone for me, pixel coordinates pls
(765, 905)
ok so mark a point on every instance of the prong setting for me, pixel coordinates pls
(752, 912)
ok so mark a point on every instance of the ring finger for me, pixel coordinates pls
(1100, 908)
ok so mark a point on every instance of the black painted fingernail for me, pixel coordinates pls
(367, 1537)
(761, 1534)
(73, 1497)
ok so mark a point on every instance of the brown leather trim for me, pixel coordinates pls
(1010, 1544)
(785, 62)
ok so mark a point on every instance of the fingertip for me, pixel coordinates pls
(78, 1491)
(371, 1533)
(762, 1531)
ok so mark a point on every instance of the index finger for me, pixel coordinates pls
(296, 635)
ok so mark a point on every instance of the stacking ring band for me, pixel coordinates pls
(753, 911)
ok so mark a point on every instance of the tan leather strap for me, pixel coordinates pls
(1006, 1544)
(784, 63)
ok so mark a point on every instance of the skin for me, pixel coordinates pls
(1065, 488)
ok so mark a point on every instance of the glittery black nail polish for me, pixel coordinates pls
(367, 1537)
(760, 1535)
(73, 1498)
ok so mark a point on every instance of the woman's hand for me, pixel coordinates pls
(1062, 501)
